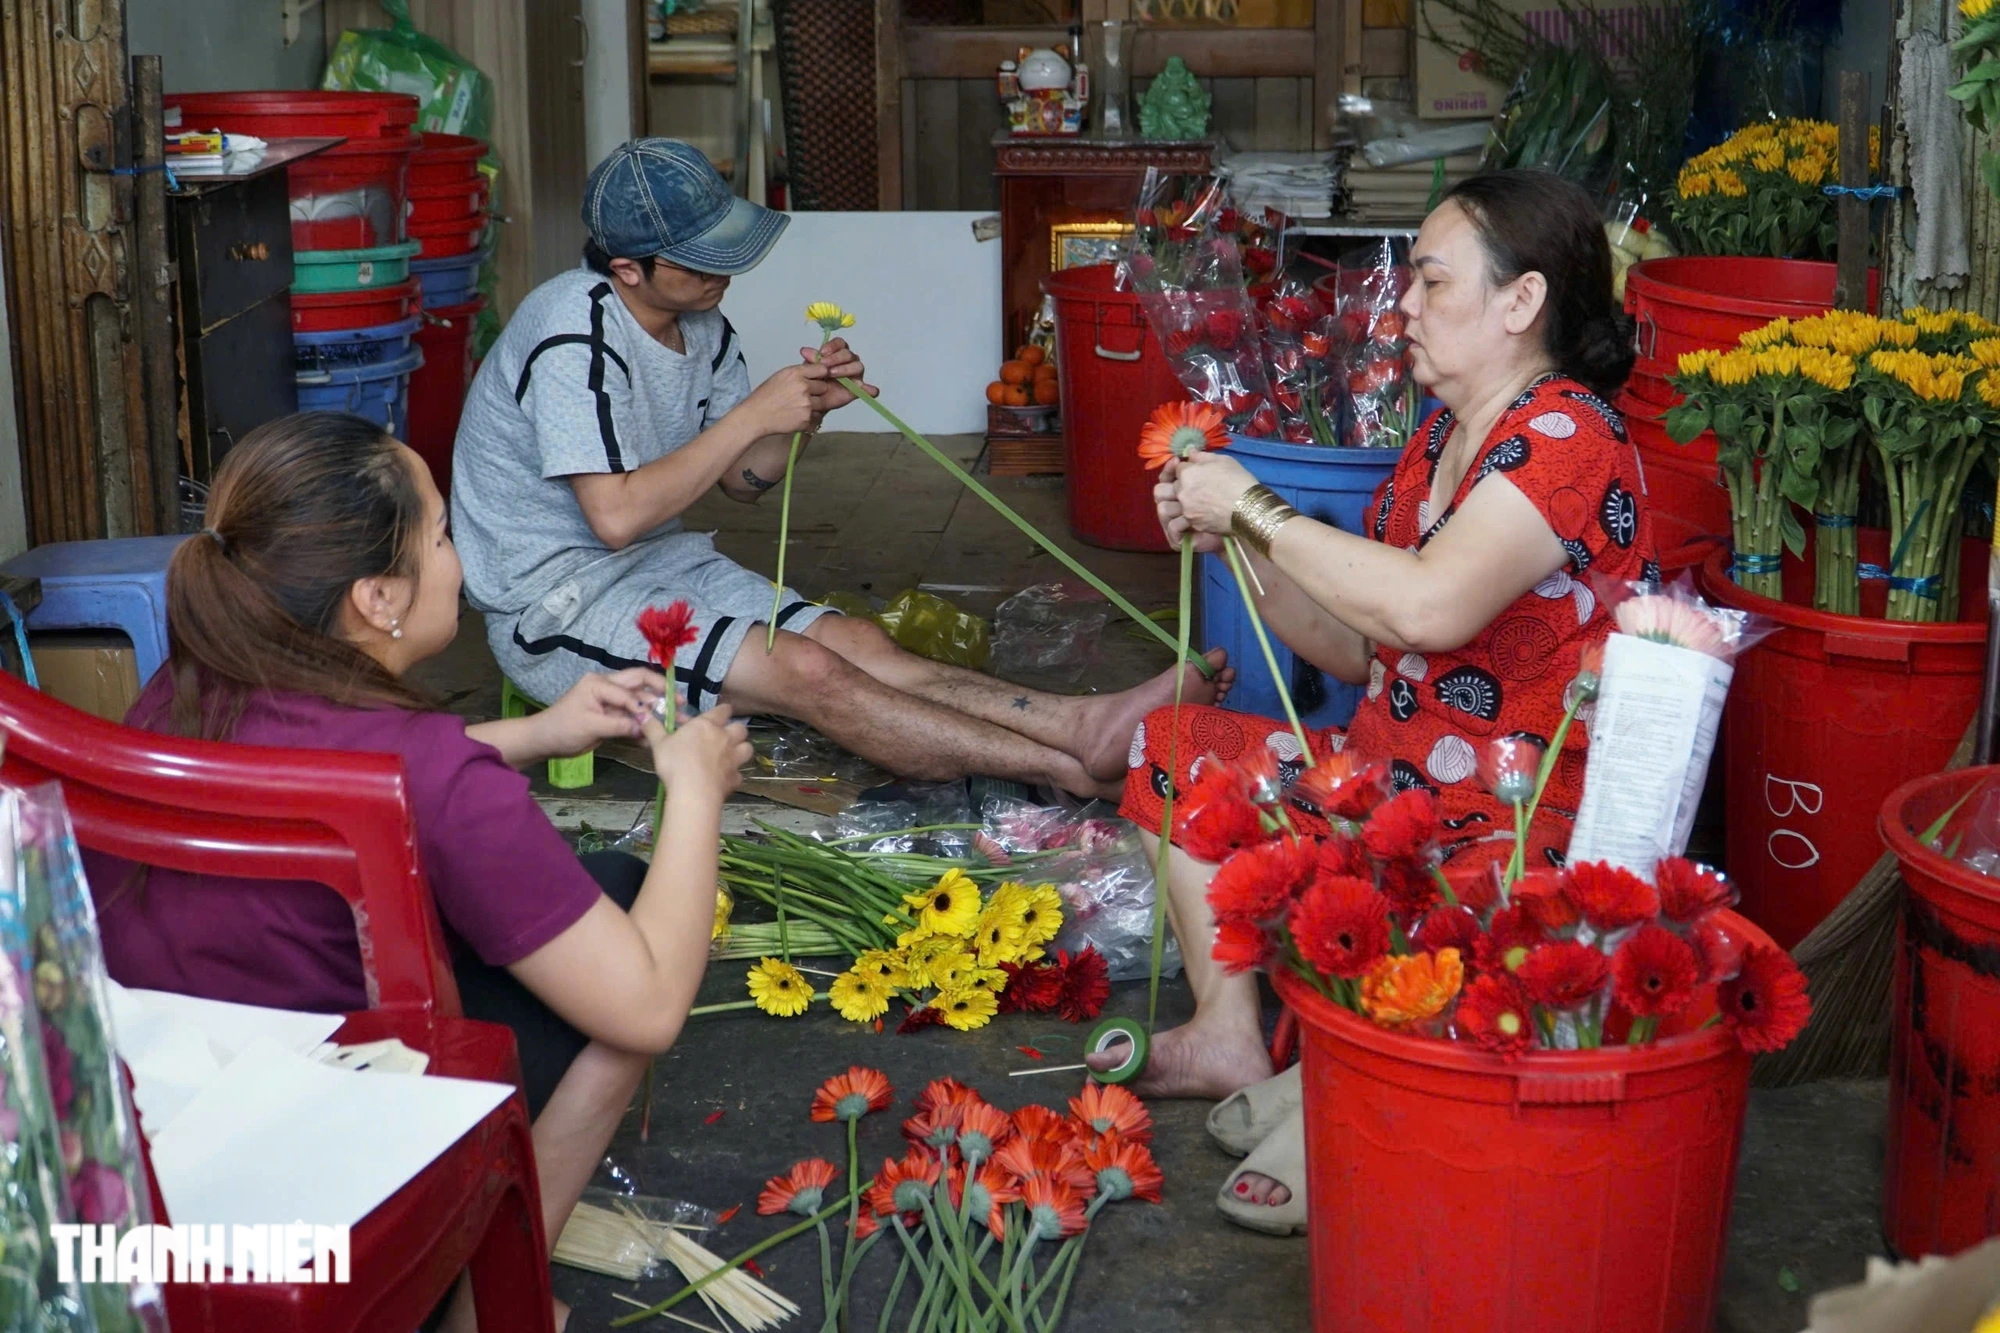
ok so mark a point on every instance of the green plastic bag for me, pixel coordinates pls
(932, 627)
(453, 96)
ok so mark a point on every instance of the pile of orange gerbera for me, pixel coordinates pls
(975, 1204)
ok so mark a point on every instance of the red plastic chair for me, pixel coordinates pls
(341, 819)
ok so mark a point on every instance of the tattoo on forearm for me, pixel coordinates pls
(755, 482)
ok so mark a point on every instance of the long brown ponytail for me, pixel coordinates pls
(301, 509)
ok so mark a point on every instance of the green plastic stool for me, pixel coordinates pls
(564, 774)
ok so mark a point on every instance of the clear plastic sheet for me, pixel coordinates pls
(1050, 630)
(1382, 399)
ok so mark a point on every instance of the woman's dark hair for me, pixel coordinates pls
(1537, 222)
(298, 512)
(597, 261)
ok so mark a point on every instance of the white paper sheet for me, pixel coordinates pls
(279, 1137)
(176, 1045)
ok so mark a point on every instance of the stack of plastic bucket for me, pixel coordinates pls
(354, 303)
(449, 213)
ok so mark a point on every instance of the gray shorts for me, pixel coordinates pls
(589, 622)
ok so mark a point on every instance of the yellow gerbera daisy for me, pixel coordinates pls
(724, 905)
(1041, 915)
(948, 907)
(1000, 935)
(922, 959)
(830, 317)
(859, 997)
(952, 971)
(967, 1008)
(779, 988)
(884, 965)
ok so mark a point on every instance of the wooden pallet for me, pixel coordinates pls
(1015, 449)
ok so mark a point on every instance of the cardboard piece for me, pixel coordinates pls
(1449, 85)
(1936, 1296)
(96, 672)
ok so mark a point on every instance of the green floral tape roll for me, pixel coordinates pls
(1111, 1032)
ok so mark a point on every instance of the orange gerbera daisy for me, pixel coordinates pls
(981, 1130)
(904, 1186)
(1055, 1209)
(992, 1190)
(1411, 988)
(1176, 430)
(1109, 1109)
(936, 1129)
(851, 1095)
(1039, 1122)
(1043, 1157)
(1125, 1169)
(801, 1190)
(944, 1091)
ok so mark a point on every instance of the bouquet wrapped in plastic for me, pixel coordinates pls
(1382, 398)
(1301, 355)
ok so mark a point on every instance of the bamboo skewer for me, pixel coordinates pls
(621, 1243)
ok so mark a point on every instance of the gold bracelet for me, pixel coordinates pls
(1258, 514)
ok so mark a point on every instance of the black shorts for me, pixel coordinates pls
(547, 1042)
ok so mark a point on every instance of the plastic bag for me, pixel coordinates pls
(453, 96)
(623, 1234)
(98, 1132)
(891, 812)
(1049, 629)
(932, 627)
(1382, 401)
(1302, 354)
(1107, 891)
(1557, 117)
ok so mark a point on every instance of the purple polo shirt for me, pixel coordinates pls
(504, 880)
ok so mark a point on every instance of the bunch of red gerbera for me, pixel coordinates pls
(1510, 962)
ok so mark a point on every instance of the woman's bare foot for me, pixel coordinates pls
(1254, 1188)
(562, 1311)
(1105, 743)
(1194, 1061)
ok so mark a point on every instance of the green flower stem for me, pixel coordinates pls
(895, 1294)
(932, 1270)
(942, 1246)
(691, 1288)
(1229, 549)
(1525, 821)
(784, 542)
(826, 1280)
(732, 1005)
(848, 1258)
(1642, 1031)
(1162, 861)
(1001, 507)
(1024, 1264)
(901, 833)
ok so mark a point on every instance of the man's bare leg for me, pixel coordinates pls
(910, 736)
(1095, 730)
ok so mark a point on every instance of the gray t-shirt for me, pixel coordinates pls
(573, 385)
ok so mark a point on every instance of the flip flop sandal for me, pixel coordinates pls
(1282, 1157)
(1245, 1119)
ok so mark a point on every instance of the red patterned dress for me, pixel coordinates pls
(1431, 714)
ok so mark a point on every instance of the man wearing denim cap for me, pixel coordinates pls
(615, 398)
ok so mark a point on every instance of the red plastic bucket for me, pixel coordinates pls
(437, 388)
(446, 159)
(1825, 718)
(1681, 479)
(1695, 301)
(364, 308)
(1941, 1176)
(441, 240)
(352, 196)
(458, 202)
(1113, 375)
(1560, 1192)
(287, 115)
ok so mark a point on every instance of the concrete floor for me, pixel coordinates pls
(873, 516)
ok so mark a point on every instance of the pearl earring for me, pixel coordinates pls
(396, 629)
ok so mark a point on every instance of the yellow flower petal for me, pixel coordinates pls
(859, 997)
(966, 1009)
(779, 988)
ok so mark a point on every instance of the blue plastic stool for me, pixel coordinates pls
(118, 583)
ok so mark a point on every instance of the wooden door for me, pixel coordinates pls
(556, 35)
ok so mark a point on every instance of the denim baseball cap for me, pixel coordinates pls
(662, 197)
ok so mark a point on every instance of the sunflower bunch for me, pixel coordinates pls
(1978, 51)
(1760, 192)
(1952, 331)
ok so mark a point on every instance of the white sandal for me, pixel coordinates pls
(1245, 1118)
(1281, 1157)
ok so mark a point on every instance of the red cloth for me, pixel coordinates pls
(1432, 714)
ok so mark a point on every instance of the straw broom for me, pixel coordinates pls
(1849, 961)
(623, 1244)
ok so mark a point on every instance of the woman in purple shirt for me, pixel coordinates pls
(325, 573)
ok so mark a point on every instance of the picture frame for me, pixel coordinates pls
(1077, 244)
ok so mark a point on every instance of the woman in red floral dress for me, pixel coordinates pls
(1465, 607)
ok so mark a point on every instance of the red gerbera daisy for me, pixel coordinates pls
(1447, 928)
(1213, 817)
(1039, 1122)
(1107, 1108)
(1509, 938)
(981, 1130)
(1241, 946)
(666, 631)
(1032, 988)
(1340, 786)
(1563, 975)
(1411, 889)
(1609, 897)
(1493, 1014)
(1054, 1208)
(1655, 973)
(1476, 885)
(1125, 1169)
(1402, 828)
(903, 1186)
(1688, 891)
(851, 1095)
(1765, 1004)
(992, 1190)
(1176, 430)
(920, 1017)
(1719, 946)
(1341, 856)
(1086, 985)
(1259, 882)
(1057, 1159)
(1540, 896)
(801, 1190)
(1341, 925)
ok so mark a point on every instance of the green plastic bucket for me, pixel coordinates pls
(352, 270)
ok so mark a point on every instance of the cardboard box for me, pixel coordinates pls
(1449, 87)
(95, 672)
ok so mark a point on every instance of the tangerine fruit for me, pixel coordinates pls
(1015, 372)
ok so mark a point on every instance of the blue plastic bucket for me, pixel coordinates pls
(380, 392)
(452, 280)
(1333, 486)
(344, 349)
